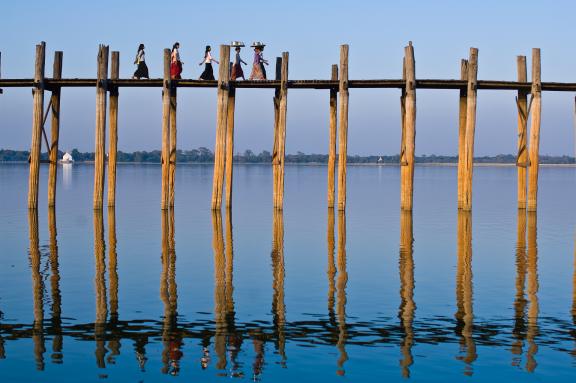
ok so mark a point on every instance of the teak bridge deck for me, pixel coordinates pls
(338, 85)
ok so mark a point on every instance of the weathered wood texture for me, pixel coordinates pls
(276, 101)
(100, 131)
(535, 112)
(164, 198)
(407, 169)
(38, 109)
(281, 141)
(221, 125)
(55, 130)
(462, 106)
(343, 127)
(466, 203)
(522, 158)
(403, 117)
(230, 145)
(332, 138)
(113, 115)
(173, 135)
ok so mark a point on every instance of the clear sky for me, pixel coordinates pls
(311, 31)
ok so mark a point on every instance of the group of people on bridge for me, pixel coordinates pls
(236, 72)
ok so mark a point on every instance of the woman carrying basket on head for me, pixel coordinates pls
(237, 71)
(208, 73)
(142, 70)
(258, 70)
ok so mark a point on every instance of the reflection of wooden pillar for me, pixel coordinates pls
(100, 286)
(55, 289)
(520, 300)
(532, 292)
(219, 289)
(37, 289)
(464, 290)
(341, 281)
(278, 271)
(113, 263)
(407, 305)
(331, 270)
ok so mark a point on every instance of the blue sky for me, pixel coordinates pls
(442, 33)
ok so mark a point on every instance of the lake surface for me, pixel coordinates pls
(138, 295)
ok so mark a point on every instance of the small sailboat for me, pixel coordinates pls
(67, 159)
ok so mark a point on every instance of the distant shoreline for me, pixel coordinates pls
(421, 164)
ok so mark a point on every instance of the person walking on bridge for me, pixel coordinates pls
(175, 63)
(208, 73)
(142, 69)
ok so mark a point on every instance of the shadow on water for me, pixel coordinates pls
(231, 340)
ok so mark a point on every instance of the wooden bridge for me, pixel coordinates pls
(107, 90)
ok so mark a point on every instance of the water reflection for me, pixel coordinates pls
(226, 335)
(407, 304)
(464, 292)
(532, 290)
(37, 289)
(171, 334)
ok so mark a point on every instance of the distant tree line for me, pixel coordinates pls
(205, 155)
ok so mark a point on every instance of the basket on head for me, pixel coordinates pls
(258, 44)
(237, 44)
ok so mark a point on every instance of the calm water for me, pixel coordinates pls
(310, 295)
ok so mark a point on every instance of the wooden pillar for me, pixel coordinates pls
(55, 128)
(343, 128)
(403, 117)
(407, 168)
(281, 136)
(462, 104)
(332, 138)
(230, 145)
(221, 125)
(536, 109)
(38, 109)
(276, 100)
(173, 131)
(164, 202)
(466, 203)
(522, 159)
(113, 115)
(100, 134)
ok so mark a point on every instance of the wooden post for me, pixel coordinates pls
(100, 134)
(522, 159)
(276, 100)
(55, 128)
(281, 142)
(164, 202)
(172, 177)
(221, 125)
(332, 138)
(403, 118)
(463, 102)
(113, 114)
(38, 109)
(343, 128)
(536, 109)
(230, 145)
(407, 170)
(469, 133)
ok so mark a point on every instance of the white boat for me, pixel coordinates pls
(67, 159)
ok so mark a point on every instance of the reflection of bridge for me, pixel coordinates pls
(228, 336)
(338, 85)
